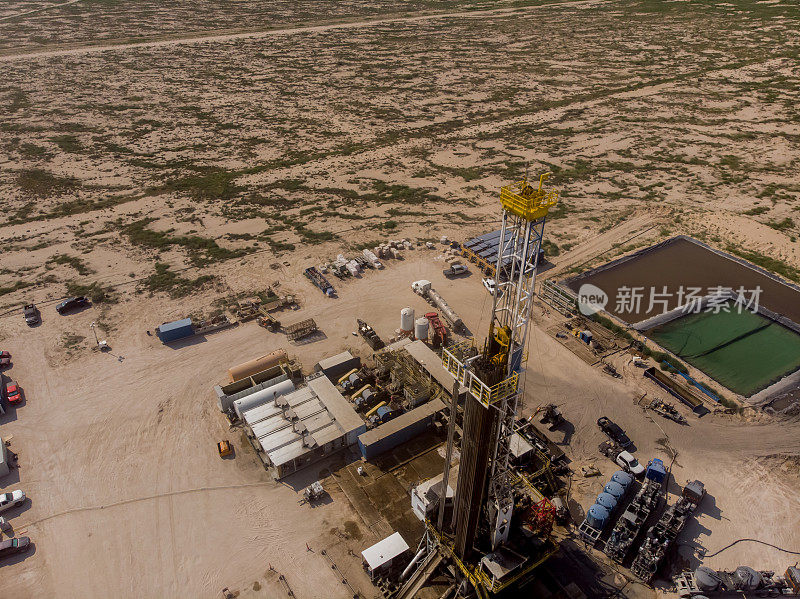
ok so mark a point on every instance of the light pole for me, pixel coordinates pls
(96, 340)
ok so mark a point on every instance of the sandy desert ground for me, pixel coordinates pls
(128, 496)
(195, 151)
(168, 157)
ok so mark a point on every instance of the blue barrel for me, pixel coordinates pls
(623, 478)
(615, 489)
(597, 516)
(607, 500)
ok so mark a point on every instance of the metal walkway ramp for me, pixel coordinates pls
(420, 576)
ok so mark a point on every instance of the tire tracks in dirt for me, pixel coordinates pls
(235, 34)
(37, 10)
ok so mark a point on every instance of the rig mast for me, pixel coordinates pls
(491, 375)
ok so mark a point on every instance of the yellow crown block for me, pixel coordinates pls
(526, 201)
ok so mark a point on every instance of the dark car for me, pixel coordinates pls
(11, 546)
(5, 359)
(72, 303)
(613, 430)
(31, 313)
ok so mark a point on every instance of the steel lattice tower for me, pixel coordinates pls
(491, 376)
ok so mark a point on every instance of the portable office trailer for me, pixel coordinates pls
(172, 331)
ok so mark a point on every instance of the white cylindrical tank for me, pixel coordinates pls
(259, 398)
(421, 328)
(407, 320)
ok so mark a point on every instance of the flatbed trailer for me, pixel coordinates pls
(301, 329)
(319, 281)
(629, 527)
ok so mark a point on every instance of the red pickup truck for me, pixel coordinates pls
(13, 392)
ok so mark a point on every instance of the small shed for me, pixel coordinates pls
(425, 496)
(172, 331)
(335, 366)
(521, 450)
(380, 557)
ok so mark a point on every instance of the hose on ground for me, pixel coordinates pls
(707, 555)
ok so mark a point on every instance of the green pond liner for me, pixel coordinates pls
(746, 352)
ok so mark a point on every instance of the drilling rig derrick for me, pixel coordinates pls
(485, 497)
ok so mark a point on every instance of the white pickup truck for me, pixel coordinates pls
(11, 499)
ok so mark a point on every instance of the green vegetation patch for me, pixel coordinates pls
(44, 184)
(67, 143)
(769, 263)
(202, 250)
(209, 184)
(5, 290)
(94, 291)
(73, 261)
(164, 280)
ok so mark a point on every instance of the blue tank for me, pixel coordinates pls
(607, 500)
(623, 478)
(597, 516)
(615, 489)
(656, 470)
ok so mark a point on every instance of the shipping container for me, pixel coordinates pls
(172, 331)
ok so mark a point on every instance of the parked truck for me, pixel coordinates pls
(369, 335)
(455, 270)
(31, 314)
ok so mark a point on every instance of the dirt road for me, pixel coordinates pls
(225, 36)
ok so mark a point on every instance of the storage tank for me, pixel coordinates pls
(407, 320)
(656, 470)
(623, 478)
(421, 328)
(374, 409)
(607, 500)
(450, 314)
(365, 398)
(597, 516)
(384, 414)
(259, 398)
(706, 579)
(747, 578)
(237, 373)
(615, 489)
